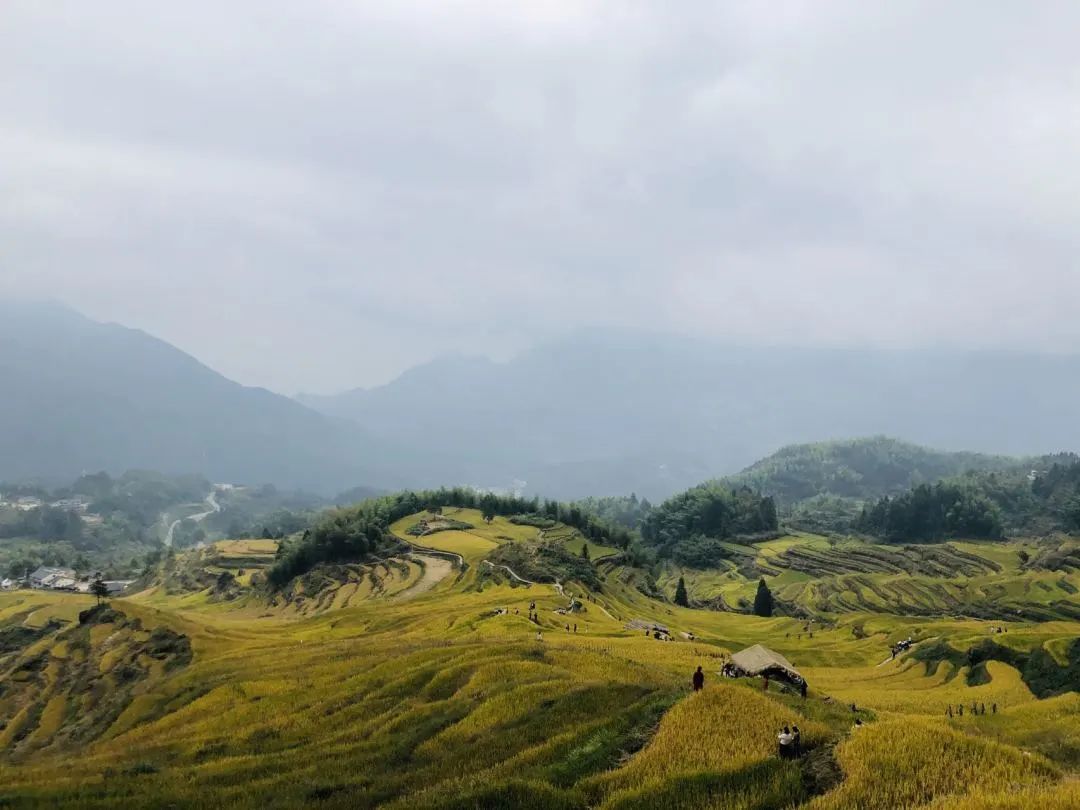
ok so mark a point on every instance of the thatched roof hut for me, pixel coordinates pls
(759, 660)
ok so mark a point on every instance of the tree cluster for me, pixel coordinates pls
(46, 523)
(928, 514)
(710, 510)
(620, 510)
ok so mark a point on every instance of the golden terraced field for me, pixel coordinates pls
(362, 690)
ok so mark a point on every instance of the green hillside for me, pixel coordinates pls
(860, 469)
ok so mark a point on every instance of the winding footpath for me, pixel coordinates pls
(211, 501)
(461, 563)
(436, 569)
(557, 585)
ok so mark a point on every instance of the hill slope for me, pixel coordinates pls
(484, 691)
(81, 395)
(859, 468)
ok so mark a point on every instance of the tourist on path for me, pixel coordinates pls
(785, 739)
(699, 680)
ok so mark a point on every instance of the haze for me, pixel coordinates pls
(316, 196)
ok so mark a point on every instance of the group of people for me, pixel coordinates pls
(976, 709)
(789, 742)
(534, 617)
(901, 646)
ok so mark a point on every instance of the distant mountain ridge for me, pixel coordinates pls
(605, 413)
(83, 396)
(598, 413)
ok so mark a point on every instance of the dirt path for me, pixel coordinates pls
(436, 569)
(510, 571)
(211, 501)
(605, 612)
(556, 585)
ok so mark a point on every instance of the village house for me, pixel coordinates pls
(47, 577)
(77, 504)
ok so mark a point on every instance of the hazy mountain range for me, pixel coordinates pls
(597, 413)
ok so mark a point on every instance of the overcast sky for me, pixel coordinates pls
(315, 195)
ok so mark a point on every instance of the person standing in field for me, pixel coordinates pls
(796, 741)
(698, 680)
(784, 739)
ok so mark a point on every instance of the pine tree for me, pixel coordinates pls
(680, 594)
(100, 590)
(585, 551)
(768, 514)
(763, 601)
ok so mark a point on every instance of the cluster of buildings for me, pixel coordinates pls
(78, 504)
(51, 578)
(24, 503)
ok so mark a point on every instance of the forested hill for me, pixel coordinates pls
(692, 526)
(861, 468)
(990, 505)
(353, 532)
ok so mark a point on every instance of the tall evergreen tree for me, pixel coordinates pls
(100, 590)
(763, 601)
(680, 594)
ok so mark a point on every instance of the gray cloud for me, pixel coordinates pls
(313, 195)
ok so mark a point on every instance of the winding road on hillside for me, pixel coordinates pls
(436, 569)
(429, 581)
(211, 501)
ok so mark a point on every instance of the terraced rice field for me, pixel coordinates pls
(984, 580)
(355, 690)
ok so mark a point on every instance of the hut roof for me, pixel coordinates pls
(757, 660)
(644, 624)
